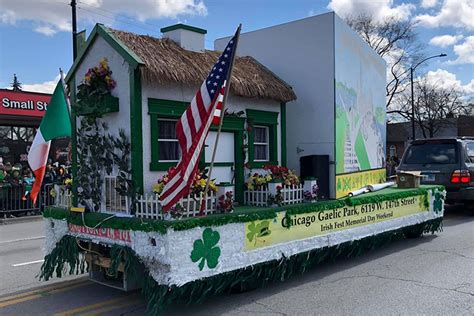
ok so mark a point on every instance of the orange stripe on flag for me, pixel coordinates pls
(39, 175)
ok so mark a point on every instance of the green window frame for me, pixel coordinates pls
(166, 110)
(267, 119)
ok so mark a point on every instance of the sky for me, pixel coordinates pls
(35, 35)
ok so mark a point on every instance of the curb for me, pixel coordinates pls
(23, 219)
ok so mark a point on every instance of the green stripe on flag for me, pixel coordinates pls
(56, 122)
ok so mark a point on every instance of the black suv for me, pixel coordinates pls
(446, 161)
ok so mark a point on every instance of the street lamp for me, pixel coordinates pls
(412, 69)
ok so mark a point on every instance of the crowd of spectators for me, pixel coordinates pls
(17, 180)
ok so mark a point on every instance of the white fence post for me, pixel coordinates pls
(291, 195)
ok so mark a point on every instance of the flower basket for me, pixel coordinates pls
(97, 105)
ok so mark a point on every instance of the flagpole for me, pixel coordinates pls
(221, 119)
(66, 91)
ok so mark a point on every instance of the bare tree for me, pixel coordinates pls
(394, 40)
(435, 107)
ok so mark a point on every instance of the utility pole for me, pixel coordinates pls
(74, 30)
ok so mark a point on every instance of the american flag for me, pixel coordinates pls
(193, 127)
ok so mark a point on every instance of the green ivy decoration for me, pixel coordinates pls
(94, 155)
(206, 249)
(64, 259)
(98, 152)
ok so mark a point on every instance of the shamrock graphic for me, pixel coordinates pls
(258, 230)
(422, 202)
(205, 249)
(438, 203)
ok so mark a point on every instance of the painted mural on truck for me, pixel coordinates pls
(360, 104)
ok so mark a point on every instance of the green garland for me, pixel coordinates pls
(258, 275)
(66, 253)
(132, 265)
(160, 296)
(148, 225)
(115, 259)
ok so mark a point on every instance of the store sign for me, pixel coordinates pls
(265, 233)
(23, 103)
(348, 182)
(109, 233)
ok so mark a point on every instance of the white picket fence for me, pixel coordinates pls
(149, 206)
(256, 197)
(64, 199)
(290, 194)
(114, 202)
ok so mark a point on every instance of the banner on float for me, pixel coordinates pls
(348, 182)
(265, 233)
(103, 232)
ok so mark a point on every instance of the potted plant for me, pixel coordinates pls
(94, 93)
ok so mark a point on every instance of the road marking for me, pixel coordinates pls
(106, 309)
(39, 294)
(45, 289)
(27, 263)
(99, 305)
(21, 239)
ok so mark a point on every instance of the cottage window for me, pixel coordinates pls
(263, 147)
(261, 143)
(164, 115)
(168, 146)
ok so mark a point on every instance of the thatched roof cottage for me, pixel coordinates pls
(156, 78)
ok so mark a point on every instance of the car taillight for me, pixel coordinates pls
(461, 176)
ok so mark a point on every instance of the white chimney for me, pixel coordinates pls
(188, 37)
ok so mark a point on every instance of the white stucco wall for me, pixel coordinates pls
(301, 53)
(178, 92)
(120, 73)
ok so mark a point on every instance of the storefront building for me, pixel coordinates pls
(20, 115)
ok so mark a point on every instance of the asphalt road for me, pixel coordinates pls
(429, 275)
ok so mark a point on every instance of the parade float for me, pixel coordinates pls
(260, 221)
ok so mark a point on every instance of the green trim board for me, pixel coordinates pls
(100, 30)
(168, 108)
(269, 119)
(231, 124)
(239, 175)
(72, 87)
(160, 108)
(136, 130)
(220, 164)
(283, 133)
(181, 26)
(240, 215)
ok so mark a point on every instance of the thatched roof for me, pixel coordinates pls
(165, 61)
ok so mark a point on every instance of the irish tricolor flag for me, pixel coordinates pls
(55, 123)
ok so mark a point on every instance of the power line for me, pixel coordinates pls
(118, 14)
(114, 18)
(112, 15)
